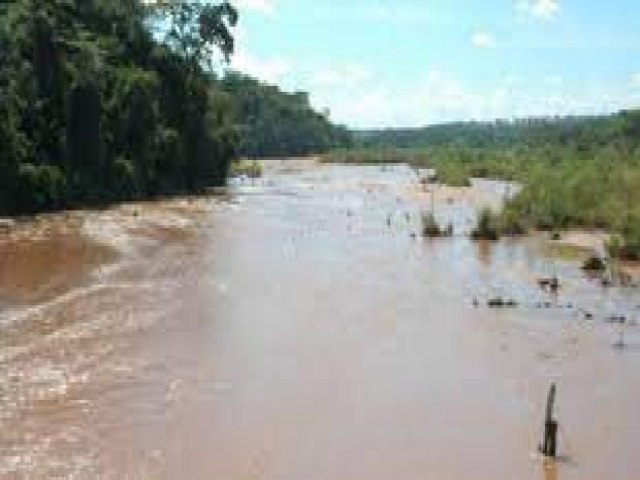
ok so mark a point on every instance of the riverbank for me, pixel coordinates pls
(562, 189)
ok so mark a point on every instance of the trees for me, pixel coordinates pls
(274, 123)
(108, 100)
(94, 108)
(197, 30)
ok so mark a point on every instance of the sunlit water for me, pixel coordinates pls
(298, 329)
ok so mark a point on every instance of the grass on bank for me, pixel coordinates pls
(432, 229)
(246, 167)
(487, 226)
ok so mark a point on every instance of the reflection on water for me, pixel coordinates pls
(34, 270)
(484, 252)
(298, 330)
(550, 470)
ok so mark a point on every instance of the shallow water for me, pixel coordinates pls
(297, 330)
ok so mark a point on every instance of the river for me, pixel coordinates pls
(297, 329)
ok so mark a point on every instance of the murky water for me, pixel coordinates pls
(298, 330)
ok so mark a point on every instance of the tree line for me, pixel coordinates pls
(581, 131)
(112, 100)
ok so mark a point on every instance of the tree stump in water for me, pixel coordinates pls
(549, 446)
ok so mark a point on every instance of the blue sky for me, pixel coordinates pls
(383, 63)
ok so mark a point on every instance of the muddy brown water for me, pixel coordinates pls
(287, 332)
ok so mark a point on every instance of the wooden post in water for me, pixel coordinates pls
(433, 200)
(549, 445)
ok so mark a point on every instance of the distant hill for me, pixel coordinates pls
(504, 133)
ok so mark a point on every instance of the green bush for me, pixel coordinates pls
(431, 228)
(250, 168)
(487, 226)
(594, 264)
(625, 245)
(41, 187)
(511, 222)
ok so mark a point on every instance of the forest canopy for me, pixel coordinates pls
(112, 100)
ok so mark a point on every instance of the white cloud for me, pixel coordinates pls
(266, 7)
(634, 81)
(483, 40)
(539, 9)
(345, 76)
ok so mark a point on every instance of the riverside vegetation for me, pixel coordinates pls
(111, 100)
(575, 172)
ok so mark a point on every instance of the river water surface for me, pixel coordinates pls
(298, 329)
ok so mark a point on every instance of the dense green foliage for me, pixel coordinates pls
(110, 100)
(531, 132)
(274, 123)
(246, 168)
(95, 107)
(574, 172)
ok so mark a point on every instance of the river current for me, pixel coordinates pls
(299, 328)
